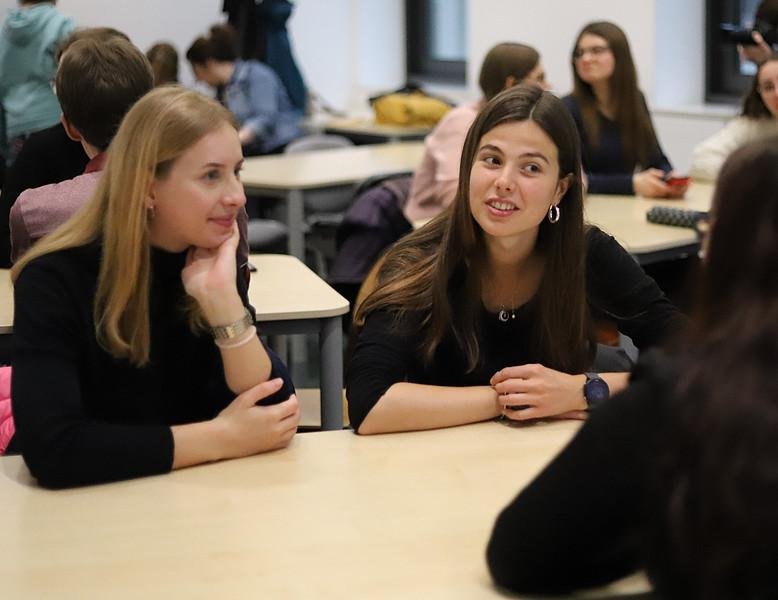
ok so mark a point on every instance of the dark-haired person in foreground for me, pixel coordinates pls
(677, 475)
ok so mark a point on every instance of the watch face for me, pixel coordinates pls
(596, 391)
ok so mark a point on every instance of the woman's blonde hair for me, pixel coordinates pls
(158, 129)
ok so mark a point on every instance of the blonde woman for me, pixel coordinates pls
(135, 349)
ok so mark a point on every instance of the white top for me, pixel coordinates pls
(709, 155)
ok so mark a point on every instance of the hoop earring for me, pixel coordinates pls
(151, 212)
(554, 213)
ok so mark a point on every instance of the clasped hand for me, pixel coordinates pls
(533, 391)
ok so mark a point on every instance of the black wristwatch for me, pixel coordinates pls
(595, 390)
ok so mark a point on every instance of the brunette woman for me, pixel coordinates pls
(620, 151)
(758, 119)
(487, 310)
(676, 475)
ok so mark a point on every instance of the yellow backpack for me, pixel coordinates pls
(412, 109)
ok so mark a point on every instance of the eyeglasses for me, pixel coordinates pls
(595, 51)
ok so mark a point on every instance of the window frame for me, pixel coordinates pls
(419, 62)
(724, 83)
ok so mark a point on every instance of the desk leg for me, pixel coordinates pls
(331, 375)
(295, 214)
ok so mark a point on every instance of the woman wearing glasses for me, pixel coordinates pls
(620, 151)
(758, 119)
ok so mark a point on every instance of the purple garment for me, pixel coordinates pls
(40, 211)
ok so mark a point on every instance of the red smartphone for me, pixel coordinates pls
(678, 180)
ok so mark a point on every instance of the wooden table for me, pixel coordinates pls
(368, 131)
(333, 516)
(290, 298)
(292, 174)
(624, 217)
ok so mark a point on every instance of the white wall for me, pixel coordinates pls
(150, 21)
(350, 49)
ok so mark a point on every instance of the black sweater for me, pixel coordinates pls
(84, 417)
(581, 522)
(386, 353)
(606, 167)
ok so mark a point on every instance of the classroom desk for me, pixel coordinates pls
(368, 131)
(624, 217)
(290, 298)
(290, 175)
(332, 516)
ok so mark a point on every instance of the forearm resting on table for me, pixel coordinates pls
(412, 406)
(245, 366)
(197, 443)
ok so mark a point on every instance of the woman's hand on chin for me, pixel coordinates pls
(209, 277)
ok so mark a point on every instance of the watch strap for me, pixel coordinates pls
(235, 329)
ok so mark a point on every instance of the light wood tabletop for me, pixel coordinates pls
(284, 288)
(333, 516)
(624, 217)
(323, 168)
(355, 126)
(292, 175)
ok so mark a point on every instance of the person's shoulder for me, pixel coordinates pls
(597, 239)
(54, 196)
(63, 264)
(256, 68)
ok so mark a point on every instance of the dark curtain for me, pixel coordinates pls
(262, 35)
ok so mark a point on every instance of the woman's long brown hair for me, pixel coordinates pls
(713, 526)
(435, 272)
(638, 138)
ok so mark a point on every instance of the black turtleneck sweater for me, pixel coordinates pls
(84, 417)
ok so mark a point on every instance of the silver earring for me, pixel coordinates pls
(554, 213)
(151, 212)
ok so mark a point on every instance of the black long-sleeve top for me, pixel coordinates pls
(581, 522)
(81, 415)
(386, 352)
(606, 166)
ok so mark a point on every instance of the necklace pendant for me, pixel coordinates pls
(503, 316)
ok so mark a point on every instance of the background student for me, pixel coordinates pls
(620, 151)
(28, 43)
(758, 119)
(47, 156)
(435, 181)
(100, 76)
(487, 310)
(251, 90)
(164, 62)
(136, 315)
(677, 474)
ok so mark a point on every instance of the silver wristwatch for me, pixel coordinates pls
(233, 330)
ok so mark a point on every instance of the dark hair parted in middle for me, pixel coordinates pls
(630, 112)
(436, 270)
(753, 105)
(97, 82)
